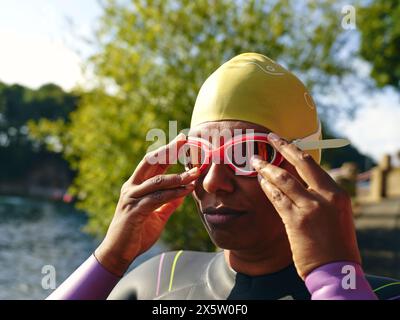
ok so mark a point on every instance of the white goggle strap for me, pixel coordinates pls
(311, 142)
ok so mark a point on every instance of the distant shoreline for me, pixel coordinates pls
(37, 192)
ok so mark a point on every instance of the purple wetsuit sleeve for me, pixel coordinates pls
(91, 281)
(339, 281)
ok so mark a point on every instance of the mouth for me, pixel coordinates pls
(221, 215)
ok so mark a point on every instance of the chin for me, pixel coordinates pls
(227, 241)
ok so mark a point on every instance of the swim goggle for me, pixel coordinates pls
(238, 151)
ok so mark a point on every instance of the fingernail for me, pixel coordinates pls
(193, 183)
(259, 178)
(273, 137)
(180, 136)
(255, 161)
(193, 171)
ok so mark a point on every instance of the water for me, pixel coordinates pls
(35, 233)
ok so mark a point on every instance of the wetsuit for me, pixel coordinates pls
(203, 275)
(253, 88)
(206, 276)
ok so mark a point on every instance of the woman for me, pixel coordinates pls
(284, 225)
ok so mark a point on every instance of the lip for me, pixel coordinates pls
(222, 215)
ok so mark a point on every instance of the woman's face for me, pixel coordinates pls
(236, 212)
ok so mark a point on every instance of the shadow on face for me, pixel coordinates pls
(234, 209)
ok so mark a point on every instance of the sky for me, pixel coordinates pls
(39, 43)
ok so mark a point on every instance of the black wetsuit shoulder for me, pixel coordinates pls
(195, 275)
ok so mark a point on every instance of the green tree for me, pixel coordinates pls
(379, 23)
(18, 104)
(152, 57)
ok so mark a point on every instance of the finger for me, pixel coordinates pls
(158, 161)
(154, 200)
(285, 181)
(305, 165)
(282, 203)
(166, 181)
(166, 210)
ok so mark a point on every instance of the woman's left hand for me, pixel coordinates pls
(318, 218)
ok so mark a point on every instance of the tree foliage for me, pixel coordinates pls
(379, 23)
(18, 105)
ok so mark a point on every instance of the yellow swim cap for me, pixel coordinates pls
(252, 87)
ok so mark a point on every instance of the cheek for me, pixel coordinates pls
(259, 202)
(255, 191)
(265, 222)
(255, 197)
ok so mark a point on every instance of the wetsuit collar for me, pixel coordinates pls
(226, 283)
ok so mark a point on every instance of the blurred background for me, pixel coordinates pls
(81, 83)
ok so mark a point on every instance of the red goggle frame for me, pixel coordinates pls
(199, 152)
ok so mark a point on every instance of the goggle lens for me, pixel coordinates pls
(239, 154)
(192, 155)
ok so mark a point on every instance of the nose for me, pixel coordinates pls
(219, 178)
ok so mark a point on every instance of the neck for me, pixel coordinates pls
(260, 261)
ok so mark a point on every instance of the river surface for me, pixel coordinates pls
(35, 234)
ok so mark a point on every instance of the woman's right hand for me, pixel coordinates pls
(147, 200)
